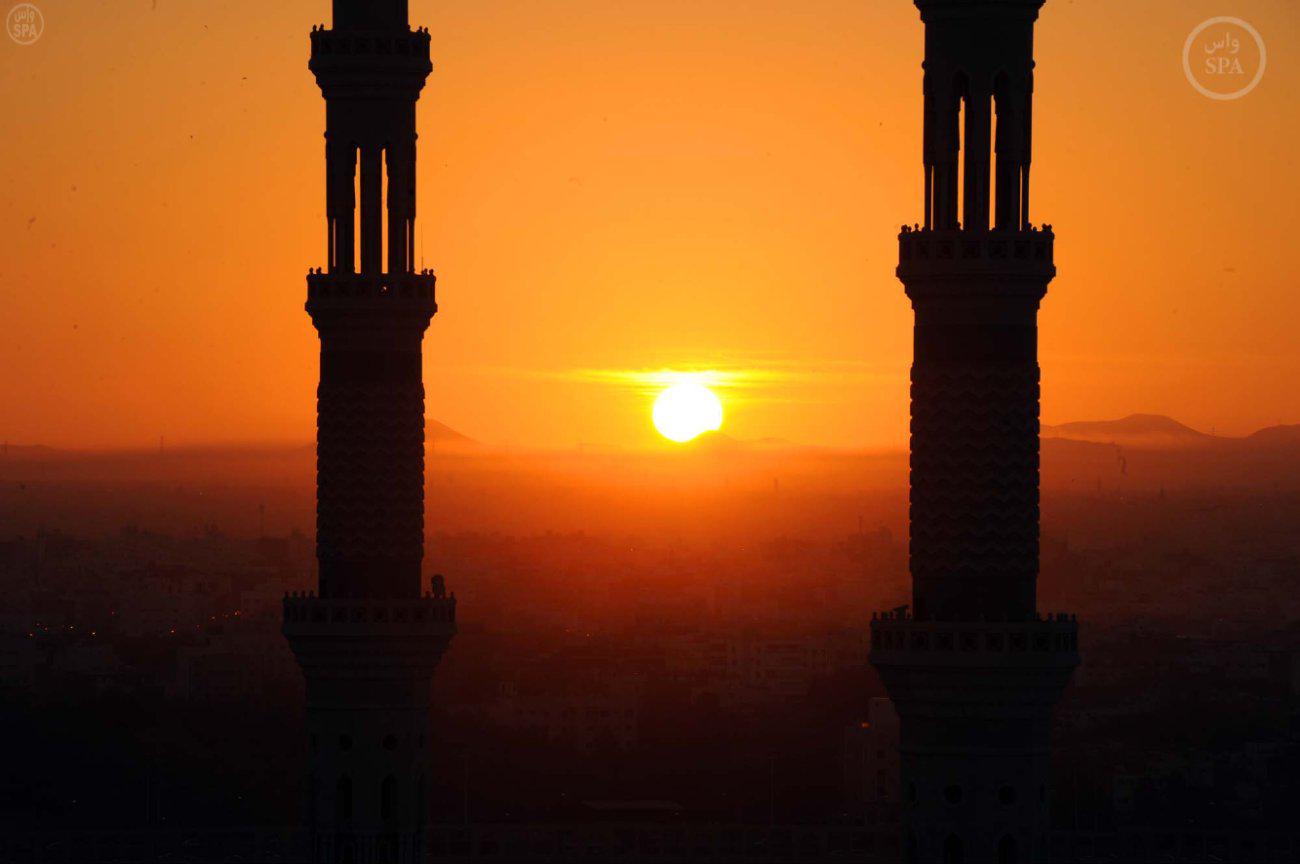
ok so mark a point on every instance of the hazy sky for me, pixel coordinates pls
(608, 188)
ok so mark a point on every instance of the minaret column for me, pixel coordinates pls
(972, 666)
(370, 639)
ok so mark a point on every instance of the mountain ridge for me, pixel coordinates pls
(1136, 431)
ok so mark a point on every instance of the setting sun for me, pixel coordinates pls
(687, 410)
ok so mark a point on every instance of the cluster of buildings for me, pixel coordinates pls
(192, 617)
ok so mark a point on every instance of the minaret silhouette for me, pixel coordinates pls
(370, 642)
(974, 670)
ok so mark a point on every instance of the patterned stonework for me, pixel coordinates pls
(370, 470)
(974, 488)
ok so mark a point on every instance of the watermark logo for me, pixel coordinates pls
(1224, 58)
(25, 24)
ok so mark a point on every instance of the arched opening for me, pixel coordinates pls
(385, 167)
(311, 799)
(1009, 155)
(342, 193)
(960, 121)
(1008, 852)
(343, 799)
(388, 799)
(952, 850)
(927, 149)
(945, 118)
(399, 196)
(354, 223)
(370, 189)
(420, 804)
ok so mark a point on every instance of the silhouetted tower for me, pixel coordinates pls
(974, 670)
(370, 642)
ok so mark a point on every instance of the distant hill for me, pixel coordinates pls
(440, 433)
(434, 433)
(1276, 436)
(28, 452)
(1151, 451)
(1139, 431)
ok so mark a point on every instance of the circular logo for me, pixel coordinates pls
(25, 24)
(1224, 58)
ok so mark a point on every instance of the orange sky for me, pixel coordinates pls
(611, 187)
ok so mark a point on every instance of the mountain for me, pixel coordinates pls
(31, 453)
(1276, 436)
(714, 442)
(438, 433)
(1148, 451)
(434, 433)
(1137, 431)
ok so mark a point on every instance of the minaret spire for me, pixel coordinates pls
(370, 640)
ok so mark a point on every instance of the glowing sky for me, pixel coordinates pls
(609, 188)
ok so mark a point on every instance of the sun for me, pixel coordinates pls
(687, 410)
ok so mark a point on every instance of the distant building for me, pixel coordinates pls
(233, 665)
(585, 715)
(871, 780)
(18, 659)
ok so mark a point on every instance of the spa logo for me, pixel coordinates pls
(25, 23)
(1224, 58)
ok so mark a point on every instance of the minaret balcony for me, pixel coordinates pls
(353, 63)
(899, 639)
(398, 290)
(377, 638)
(929, 253)
(975, 669)
(346, 616)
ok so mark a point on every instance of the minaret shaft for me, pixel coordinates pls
(974, 462)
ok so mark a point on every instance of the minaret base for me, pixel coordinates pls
(369, 668)
(974, 701)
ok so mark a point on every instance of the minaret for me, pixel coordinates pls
(370, 640)
(974, 669)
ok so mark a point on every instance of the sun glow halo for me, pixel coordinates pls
(686, 410)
